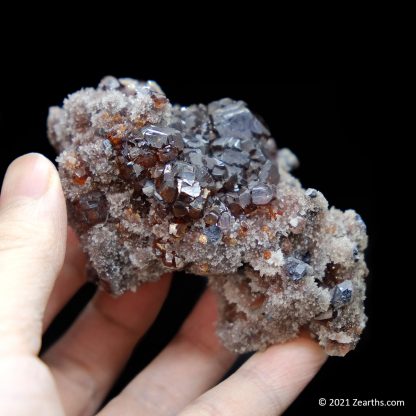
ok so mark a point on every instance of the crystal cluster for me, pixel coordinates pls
(153, 187)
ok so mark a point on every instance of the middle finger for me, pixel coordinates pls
(88, 358)
(191, 363)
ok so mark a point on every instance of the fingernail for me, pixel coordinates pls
(27, 176)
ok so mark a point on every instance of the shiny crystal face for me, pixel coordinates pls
(152, 187)
(213, 161)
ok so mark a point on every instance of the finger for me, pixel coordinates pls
(192, 362)
(266, 384)
(71, 277)
(90, 356)
(32, 246)
(27, 387)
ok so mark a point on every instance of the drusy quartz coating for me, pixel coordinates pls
(153, 188)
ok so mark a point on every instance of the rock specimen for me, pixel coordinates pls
(153, 187)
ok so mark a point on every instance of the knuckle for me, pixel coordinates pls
(202, 407)
(18, 234)
(201, 344)
(265, 385)
(111, 319)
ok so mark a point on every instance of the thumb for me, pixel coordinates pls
(32, 247)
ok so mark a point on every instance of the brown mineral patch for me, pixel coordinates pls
(243, 230)
(80, 180)
(232, 314)
(229, 240)
(332, 274)
(203, 267)
(115, 141)
(286, 245)
(132, 216)
(159, 100)
(258, 301)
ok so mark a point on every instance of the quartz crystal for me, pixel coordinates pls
(153, 187)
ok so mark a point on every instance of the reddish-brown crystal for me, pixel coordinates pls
(179, 209)
(115, 141)
(167, 154)
(159, 100)
(80, 180)
(168, 191)
(146, 158)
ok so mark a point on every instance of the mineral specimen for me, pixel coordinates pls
(153, 187)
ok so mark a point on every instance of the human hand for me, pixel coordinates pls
(41, 268)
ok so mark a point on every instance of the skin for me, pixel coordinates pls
(42, 267)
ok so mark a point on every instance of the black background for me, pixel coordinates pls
(323, 121)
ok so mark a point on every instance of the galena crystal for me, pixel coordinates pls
(153, 187)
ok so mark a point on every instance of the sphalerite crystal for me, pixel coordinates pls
(153, 187)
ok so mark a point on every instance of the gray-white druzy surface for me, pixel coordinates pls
(153, 188)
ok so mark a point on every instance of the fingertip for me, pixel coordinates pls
(304, 344)
(28, 176)
(311, 353)
(307, 340)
